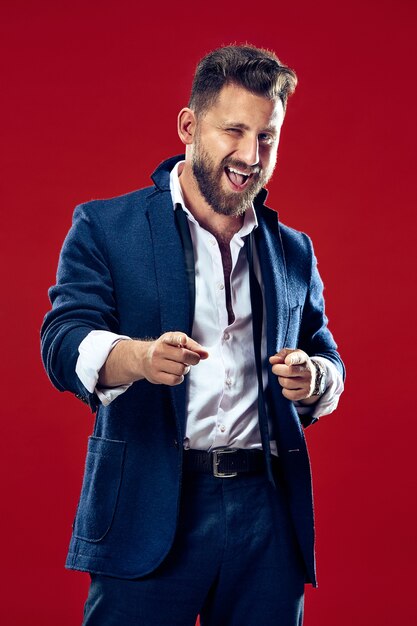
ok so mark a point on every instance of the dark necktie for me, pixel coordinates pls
(257, 322)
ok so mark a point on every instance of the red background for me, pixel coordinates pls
(90, 93)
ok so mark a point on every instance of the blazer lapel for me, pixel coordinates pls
(171, 279)
(274, 277)
(288, 429)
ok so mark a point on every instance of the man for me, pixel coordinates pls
(196, 495)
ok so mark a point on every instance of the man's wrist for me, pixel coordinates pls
(320, 381)
(124, 364)
(319, 386)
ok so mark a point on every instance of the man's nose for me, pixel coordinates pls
(248, 150)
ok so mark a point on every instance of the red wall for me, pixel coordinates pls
(90, 92)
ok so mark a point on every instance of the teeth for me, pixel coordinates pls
(232, 169)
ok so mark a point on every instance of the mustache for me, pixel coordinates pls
(241, 166)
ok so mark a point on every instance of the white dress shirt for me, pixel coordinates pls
(222, 390)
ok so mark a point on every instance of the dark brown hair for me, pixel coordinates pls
(257, 70)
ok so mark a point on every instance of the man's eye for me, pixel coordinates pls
(265, 138)
(233, 130)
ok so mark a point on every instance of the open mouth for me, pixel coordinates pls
(238, 179)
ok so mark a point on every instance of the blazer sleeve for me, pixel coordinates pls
(315, 337)
(82, 300)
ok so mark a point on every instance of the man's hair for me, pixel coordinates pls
(255, 69)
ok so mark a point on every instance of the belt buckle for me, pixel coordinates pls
(216, 462)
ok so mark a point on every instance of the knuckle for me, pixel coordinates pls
(156, 354)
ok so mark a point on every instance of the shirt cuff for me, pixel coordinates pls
(93, 353)
(328, 402)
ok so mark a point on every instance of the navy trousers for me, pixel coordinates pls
(235, 561)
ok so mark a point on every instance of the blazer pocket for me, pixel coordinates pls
(293, 328)
(100, 489)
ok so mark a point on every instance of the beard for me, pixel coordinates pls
(208, 177)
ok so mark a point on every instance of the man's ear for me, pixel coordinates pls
(186, 126)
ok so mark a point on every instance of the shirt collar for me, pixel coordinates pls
(250, 221)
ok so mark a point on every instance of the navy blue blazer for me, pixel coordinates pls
(122, 269)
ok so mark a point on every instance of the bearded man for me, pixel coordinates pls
(196, 496)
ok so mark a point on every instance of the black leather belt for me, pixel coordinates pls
(224, 462)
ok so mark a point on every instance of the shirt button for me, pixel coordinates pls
(221, 286)
(228, 382)
(213, 242)
(226, 337)
(222, 428)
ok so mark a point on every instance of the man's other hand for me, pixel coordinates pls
(296, 374)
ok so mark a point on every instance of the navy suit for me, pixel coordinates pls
(122, 269)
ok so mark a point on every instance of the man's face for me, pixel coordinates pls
(235, 148)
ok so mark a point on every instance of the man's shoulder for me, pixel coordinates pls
(133, 200)
(292, 239)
